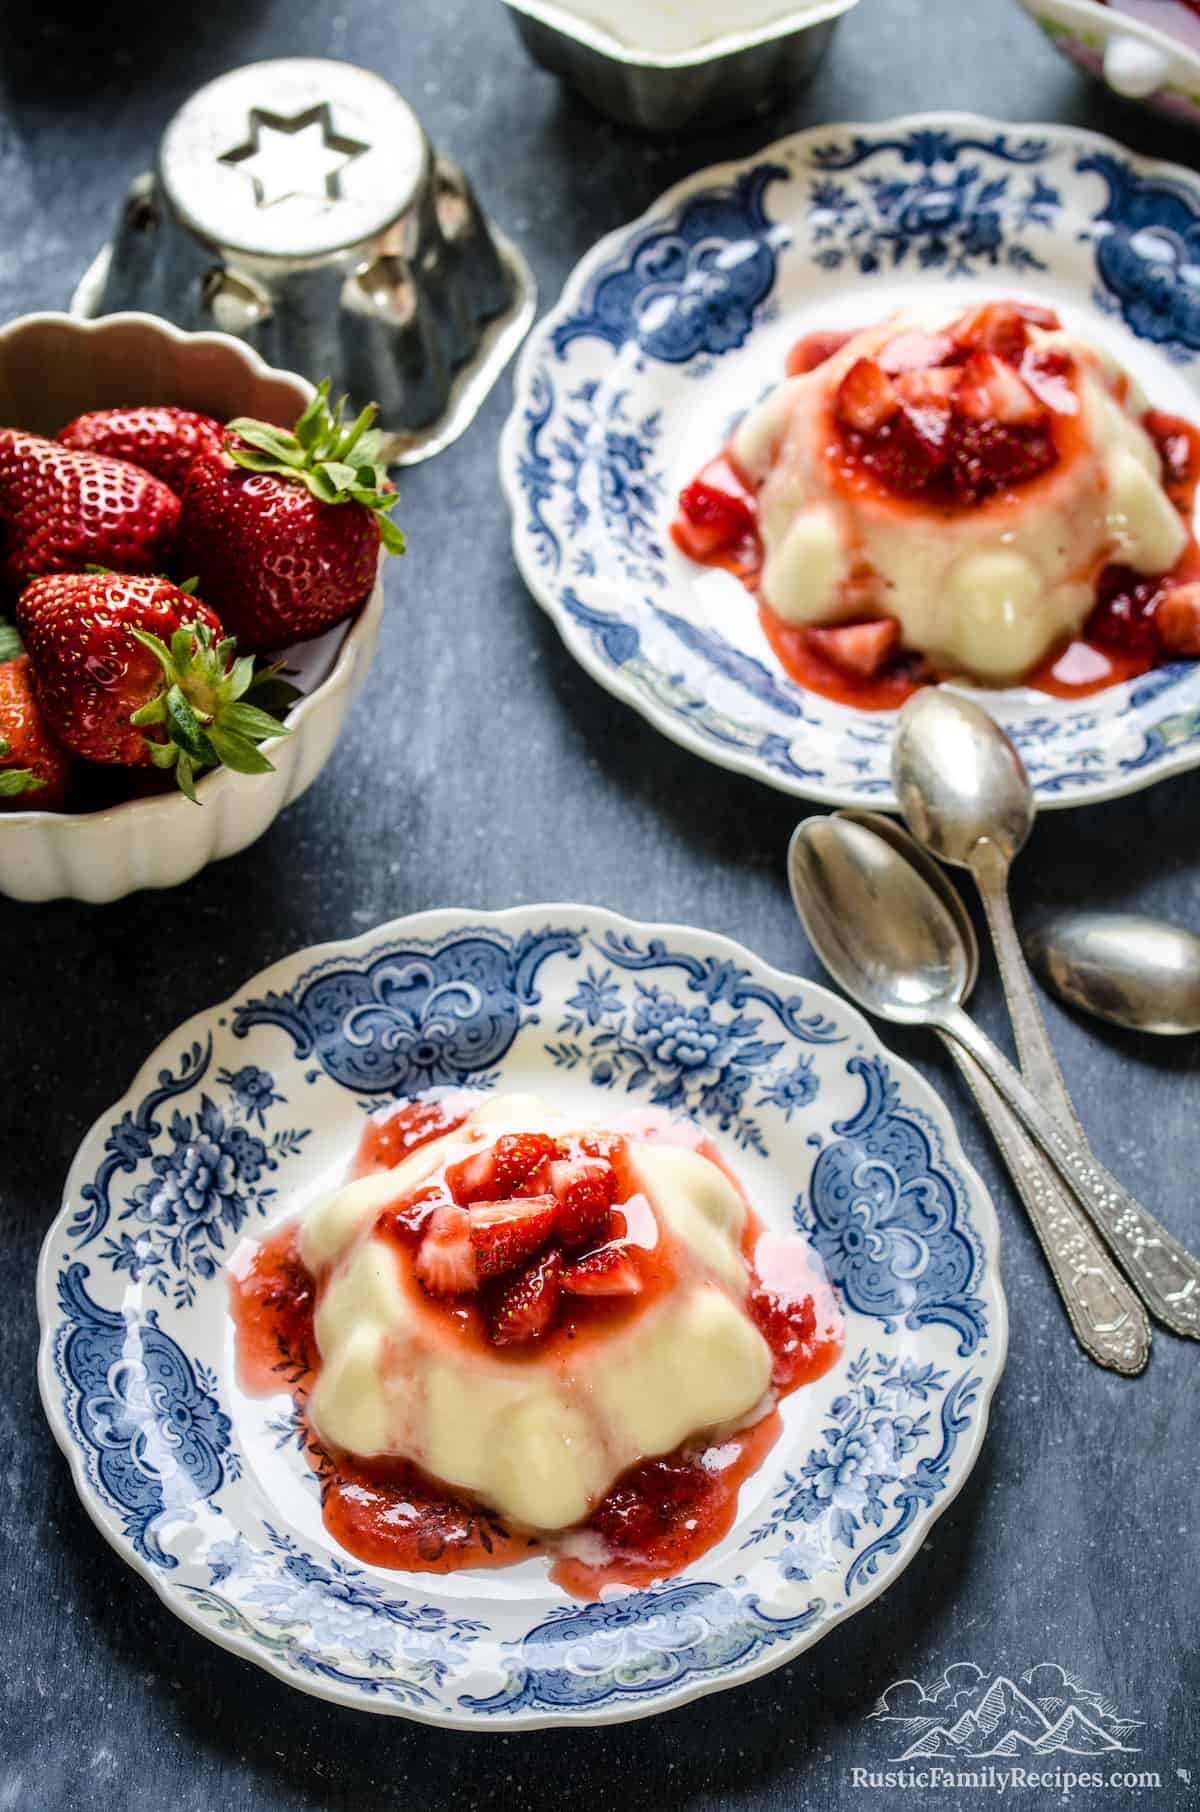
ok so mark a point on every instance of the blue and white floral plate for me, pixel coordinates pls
(248, 1111)
(672, 325)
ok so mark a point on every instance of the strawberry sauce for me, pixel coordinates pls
(716, 525)
(657, 1518)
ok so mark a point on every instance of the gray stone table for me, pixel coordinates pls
(1077, 1539)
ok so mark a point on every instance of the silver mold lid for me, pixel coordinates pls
(299, 204)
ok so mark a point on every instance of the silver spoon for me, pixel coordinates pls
(966, 796)
(890, 942)
(1134, 971)
(1109, 1320)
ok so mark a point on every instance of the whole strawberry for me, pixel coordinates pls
(136, 671)
(157, 436)
(34, 768)
(63, 511)
(285, 528)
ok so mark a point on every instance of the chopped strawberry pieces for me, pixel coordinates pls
(914, 351)
(1177, 620)
(518, 1159)
(609, 1271)
(989, 390)
(930, 388)
(648, 1503)
(585, 1189)
(866, 397)
(789, 1328)
(993, 328)
(715, 518)
(508, 1243)
(1049, 372)
(506, 1234)
(513, 1164)
(1124, 618)
(1001, 327)
(986, 457)
(406, 1221)
(924, 432)
(1038, 315)
(445, 1261)
(911, 451)
(948, 416)
(859, 649)
(813, 350)
(523, 1309)
(471, 1179)
(600, 1145)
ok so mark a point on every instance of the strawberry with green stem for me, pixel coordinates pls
(136, 671)
(284, 526)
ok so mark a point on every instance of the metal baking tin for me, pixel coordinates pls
(721, 81)
(299, 205)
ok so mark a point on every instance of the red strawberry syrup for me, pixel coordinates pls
(657, 1518)
(1117, 642)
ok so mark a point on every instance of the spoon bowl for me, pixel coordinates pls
(908, 847)
(959, 778)
(882, 932)
(1133, 971)
(966, 796)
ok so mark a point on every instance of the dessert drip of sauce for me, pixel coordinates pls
(994, 436)
(656, 1515)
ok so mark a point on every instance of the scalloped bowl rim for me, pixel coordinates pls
(340, 674)
(556, 18)
(435, 921)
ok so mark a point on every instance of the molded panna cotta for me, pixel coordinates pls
(988, 588)
(512, 1333)
(542, 1436)
(958, 493)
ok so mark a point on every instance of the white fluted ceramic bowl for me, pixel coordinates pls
(52, 368)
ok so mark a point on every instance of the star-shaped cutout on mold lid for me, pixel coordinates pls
(302, 155)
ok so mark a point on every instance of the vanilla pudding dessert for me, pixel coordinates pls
(574, 1335)
(542, 1441)
(963, 488)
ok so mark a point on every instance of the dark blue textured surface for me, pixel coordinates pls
(1076, 1540)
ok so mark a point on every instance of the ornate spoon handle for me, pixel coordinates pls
(1039, 1064)
(1109, 1320)
(1165, 1273)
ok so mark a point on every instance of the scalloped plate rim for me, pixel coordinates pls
(433, 922)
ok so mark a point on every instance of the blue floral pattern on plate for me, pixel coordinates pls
(144, 1416)
(208, 1492)
(881, 1210)
(672, 324)
(689, 286)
